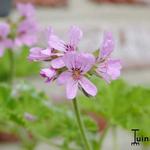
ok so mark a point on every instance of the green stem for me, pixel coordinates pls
(12, 66)
(26, 142)
(114, 134)
(80, 124)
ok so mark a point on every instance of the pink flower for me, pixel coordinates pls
(27, 33)
(4, 41)
(108, 68)
(39, 54)
(107, 46)
(4, 30)
(78, 64)
(75, 35)
(26, 10)
(72, 68)
(48, 73)
(29, 117)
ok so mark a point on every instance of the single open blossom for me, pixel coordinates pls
(26, 10)
(49, 74)
(4, 41)
(27, 33)
(78, 64)
(108, 68)
(75, 35)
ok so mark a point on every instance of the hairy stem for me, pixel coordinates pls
(81, 126)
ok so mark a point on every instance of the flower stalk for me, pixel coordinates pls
(81, 125)
(11, 66)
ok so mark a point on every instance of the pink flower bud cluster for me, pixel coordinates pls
(14, 34)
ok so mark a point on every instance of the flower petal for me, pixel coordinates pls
(107, 45)
(82, 61)
(75, 35)
(39, 54)
(109, 70)
(63, 78)
(4, 30)
(104, 75)
(71, 88)
(57, 63)
(48, 73)
(28, 40)
(26, 10)
(48, 32)
(46, 52)
(88, 86)
(56, 43)
(114, 67)
(70, 60)
(87, 60)
(35, 50)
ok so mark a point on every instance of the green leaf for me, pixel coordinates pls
(121, 104)
(23, 67)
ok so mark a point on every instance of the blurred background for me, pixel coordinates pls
(129, 20)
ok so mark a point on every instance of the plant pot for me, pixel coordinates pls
(8, 137)
(124, 1)
(52, 3)
(5, 7)
(100, 120)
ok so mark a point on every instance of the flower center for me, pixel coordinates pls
(1, 38)
(21, 33)
(69, 48)
(76, 73)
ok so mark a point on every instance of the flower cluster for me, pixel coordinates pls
(72, 68)
(21, 32)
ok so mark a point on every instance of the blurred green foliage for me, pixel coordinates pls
(45, 120)
(24, 110)
(23, 67)
(121, 104)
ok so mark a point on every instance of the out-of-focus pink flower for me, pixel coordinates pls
(4, 30)
(75, 35)
(48, 73)
(26, 10)
(29, 117)
(4, 41)
(27, 33)
(78, 64)
(108, 68)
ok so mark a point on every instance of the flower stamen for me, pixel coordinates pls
(76, 73)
